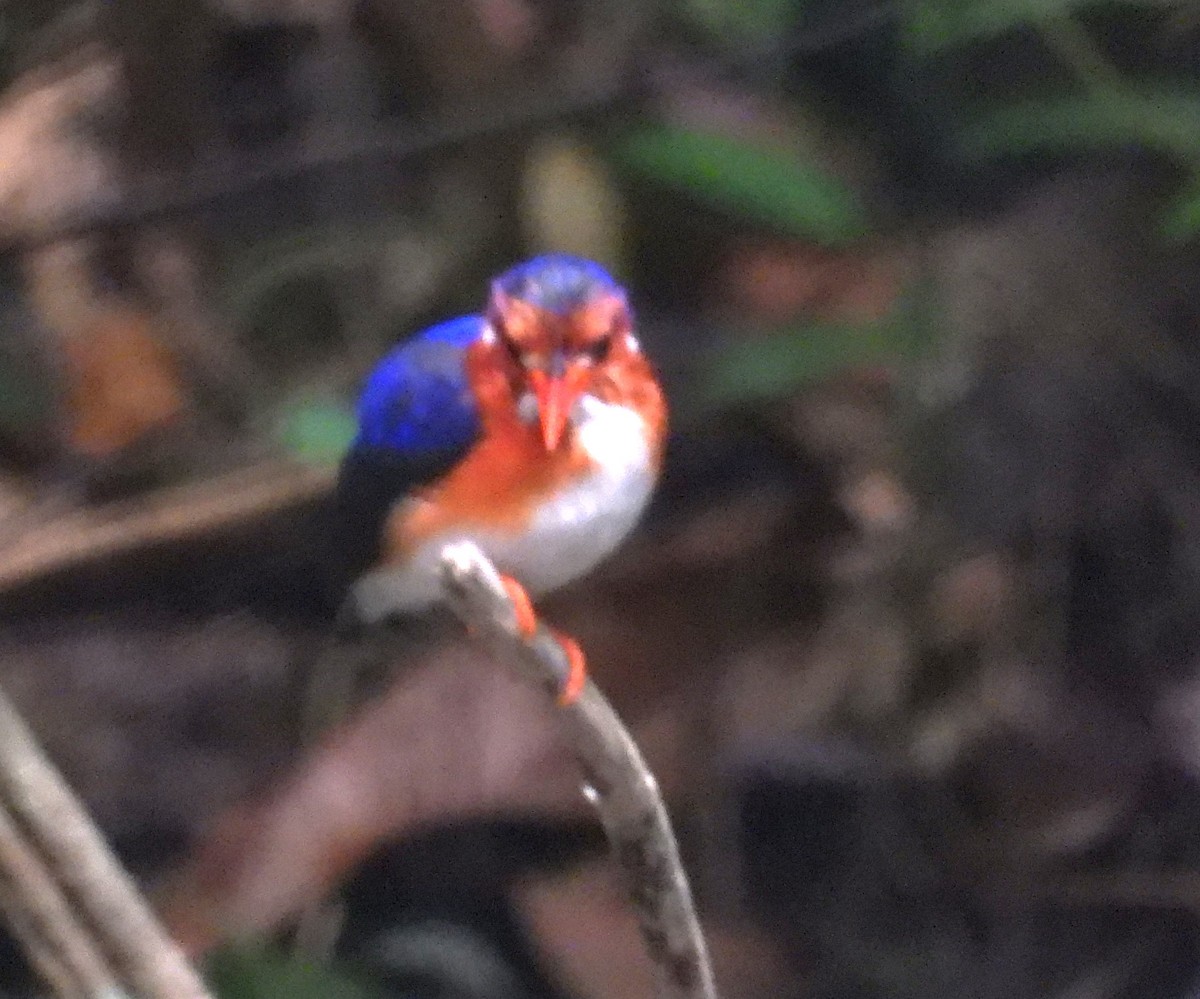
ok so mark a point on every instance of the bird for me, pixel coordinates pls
(534, 429)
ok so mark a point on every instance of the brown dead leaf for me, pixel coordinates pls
(122, 383)
(455, 738)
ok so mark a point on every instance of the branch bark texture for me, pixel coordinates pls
(616, 779)
(67, 863)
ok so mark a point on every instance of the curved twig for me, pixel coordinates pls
(43, 922)
(617, 780)
(72, 849)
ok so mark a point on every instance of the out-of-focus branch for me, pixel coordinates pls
(537, 105)
(41, 919)
(155, 199)
(171, 514)
(74, 853)
(616, 779)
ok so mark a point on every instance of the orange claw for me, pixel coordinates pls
(527, 624)
(576, 673)
(522, 606)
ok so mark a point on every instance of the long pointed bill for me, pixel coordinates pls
(556, 395)
(553, 407)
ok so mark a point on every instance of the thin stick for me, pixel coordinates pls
(162, 198)
(73, 849)
(41, 919)
(617, 780)
(171, 514)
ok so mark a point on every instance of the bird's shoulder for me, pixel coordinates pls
(418, 399)
(417, 419)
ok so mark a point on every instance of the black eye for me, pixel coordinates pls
(599, 350)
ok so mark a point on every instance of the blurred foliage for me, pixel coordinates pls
(1163, 121)
(1103, 106)
(25, 400)
(774, 364)
(932, 26)
(290, 291)
(772, 187)
(977, 83)
(747, 21)
(1183, 219)
(782, 188)
(317, 431)
(245, 973)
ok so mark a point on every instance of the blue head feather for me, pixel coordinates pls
(556, 282)
(417, 399)
(417, 416)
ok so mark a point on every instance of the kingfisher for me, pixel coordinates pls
(534, 429)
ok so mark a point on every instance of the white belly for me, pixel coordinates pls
(567, 535)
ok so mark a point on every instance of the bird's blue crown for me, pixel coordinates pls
(556, 282)
(417, 400)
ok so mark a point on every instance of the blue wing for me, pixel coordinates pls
(416, 420)
(417, 400)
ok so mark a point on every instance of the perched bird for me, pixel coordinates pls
(534, 430)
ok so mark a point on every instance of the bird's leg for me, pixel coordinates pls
(576, 673)
(527, 624)
(526, 616)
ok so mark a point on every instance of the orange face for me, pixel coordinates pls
(557, 356)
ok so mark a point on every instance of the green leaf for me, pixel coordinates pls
(932, 26)
(778, 189)
(1181, 221)
(745, 21)
(24, 401)
(245, 973)
(1164, 121)
(317, 431)
(777, 364)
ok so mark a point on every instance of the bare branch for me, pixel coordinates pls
(159, 198)
(170, 514)
(617, 780)
(71, 847)
(42, 921)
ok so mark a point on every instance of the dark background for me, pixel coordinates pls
(910, 635)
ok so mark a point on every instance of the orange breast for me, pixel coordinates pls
(508, 473)
(497, 485)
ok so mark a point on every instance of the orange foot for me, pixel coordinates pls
(527, 624)
(522, 606)
(576, 670)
